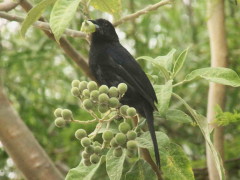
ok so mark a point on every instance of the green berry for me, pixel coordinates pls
(75, 83)
(113, 102)
(58, 112)
(85, 142)
(113, 92)
(60, 122)
(97, 149)
(87, 104)
(103, 89)
(131, 153)
(117, 152)
(131, 135)
(66, 114)
(94, 158)
(107, 135)
(121, 138)
(87, 162)
(96, 143)
(86, 93)
(123, 109)
(94, 95)
(83, 85)
(103, 98)
(85, 155)
(80, 133)
(132, 145)
(124, 127)
(122, 88)
(92, 85)
(113, 143)
(131, 112)
(89, 149)
(102, 108)
(75, 91)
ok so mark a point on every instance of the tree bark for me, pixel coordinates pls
(21, 145)
(217, 92)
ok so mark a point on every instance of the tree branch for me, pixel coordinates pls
(142, 11)
(8, 6)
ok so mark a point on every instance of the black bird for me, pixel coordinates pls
(111, 64)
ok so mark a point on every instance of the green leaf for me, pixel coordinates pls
(178, 116)
(167, 60)
(114, 165)
(92, 172)
(164, 93)
(62, 13)
(179, 62)
(218, 75)
(174, 163)
(203, 125)
(141, 170)
(145, 140)
(34, 14)
(157, 65)
(113, 7)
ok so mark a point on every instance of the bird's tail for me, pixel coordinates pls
(149, 117)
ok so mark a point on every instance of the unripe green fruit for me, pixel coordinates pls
(97, 149)
(85, 142)
(87, 162)
(122, 88)
(123, 109)
(86, 93)
(87, 104)
(80, 133)
(117, 152)
(103, 89)
(131, 135)
(131, 112)
(113, 92)
(102, 108)
(75, 91)
(75, 83)
(121, 138)
(83, 85)
(132, 145)
(113, 143)
(89, 149)
(96, 143)
(131, 153)
(94, 158)
(92, 85)
(58, 112)
(124, 127)
(107, 135)
(94, 95)
(85, 155)
(60, 122)
(66, 114)
(113, 102)
(103, 98)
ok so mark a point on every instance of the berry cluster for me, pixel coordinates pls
(62, 116)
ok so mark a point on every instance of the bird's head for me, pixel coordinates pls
(104, 31)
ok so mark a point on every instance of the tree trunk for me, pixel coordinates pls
(217, 92)
(22, 147)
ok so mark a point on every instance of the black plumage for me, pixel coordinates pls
(111, 64)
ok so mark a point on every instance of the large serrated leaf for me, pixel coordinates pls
(114, 165)
(164, 93)
(179, 62)
(113, 7)
(62, 13)
(218, 75)
(141, 170)
(178, 116)
(174, 163)
(93, 172)
(34, 14)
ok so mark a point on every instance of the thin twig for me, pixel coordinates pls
(142, 11)
(8, 6)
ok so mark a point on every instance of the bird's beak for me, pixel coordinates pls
(94, 22)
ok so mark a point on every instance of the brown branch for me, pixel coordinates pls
(8, 6)
(21, 145)
(142, 11)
